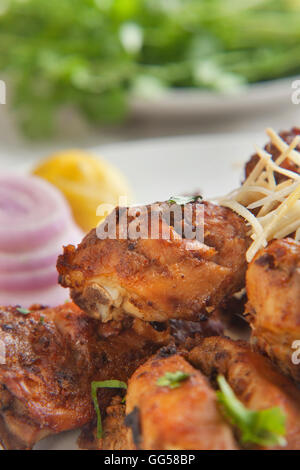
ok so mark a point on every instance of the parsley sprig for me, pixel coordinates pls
(23, 311)
(172, 379)
(264, 427)
(182, 200)
(95, 387)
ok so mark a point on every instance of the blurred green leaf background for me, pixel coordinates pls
(94, 55)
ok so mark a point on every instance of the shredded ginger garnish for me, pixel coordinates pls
(276, 205)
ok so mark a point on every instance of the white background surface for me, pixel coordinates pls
(159, 168)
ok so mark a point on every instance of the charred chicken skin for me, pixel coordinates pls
(156, 279)
(253, 378)
(273, 288)
(51, 358)
(53, 355)
(183, 418)
(288, 164)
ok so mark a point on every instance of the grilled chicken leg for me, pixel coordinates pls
(253, 379)
(52, 356)
(156, 279)
(288, 137)
(273, 288)
(183, 418)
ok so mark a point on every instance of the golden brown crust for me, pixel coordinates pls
(158, 279)
(185, 418)
(253, 378)
(273, 287)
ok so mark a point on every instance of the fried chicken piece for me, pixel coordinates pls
(115, 434)
(288, 164)
(183, 418)
(184, 334)
(52, 356)
(157, 279)
(253, 379)
(273, 287)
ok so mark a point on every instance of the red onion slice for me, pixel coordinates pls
(35, 222)
(41, 258)
(50, 297)
(32, 212)
(38, 279)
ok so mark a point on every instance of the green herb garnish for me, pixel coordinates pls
(182, 200)
(263, 427)
(24, 311)
(95, 387)
(140, 48)
(42, 319)
(172, 379)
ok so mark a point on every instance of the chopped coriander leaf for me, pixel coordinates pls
(124, 49)
(24, 311)
(263, 427)
(103, 384)
(42, 319)
(182, 200)
(172, 379)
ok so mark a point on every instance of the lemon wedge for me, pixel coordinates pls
(86, 182)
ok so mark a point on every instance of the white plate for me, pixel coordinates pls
(176, 111)
(161, 168)
(195, 103)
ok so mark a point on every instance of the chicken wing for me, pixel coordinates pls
(51, 358)
(273, 288)
(156, 279)
(253, 379)
(183, 418)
